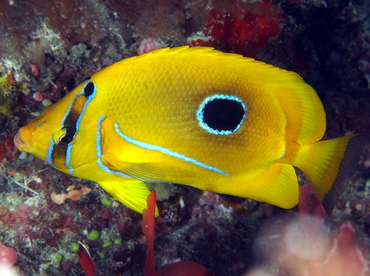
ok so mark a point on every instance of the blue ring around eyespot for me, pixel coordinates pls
(200, 114)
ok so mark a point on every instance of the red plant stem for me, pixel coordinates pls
(85, 260)
(148, 229)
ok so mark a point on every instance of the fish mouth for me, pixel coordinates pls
(18, 141)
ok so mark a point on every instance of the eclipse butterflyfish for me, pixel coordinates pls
(219, 122)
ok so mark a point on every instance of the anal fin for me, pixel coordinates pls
(276, 185)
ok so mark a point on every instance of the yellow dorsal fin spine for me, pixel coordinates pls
(329, 165)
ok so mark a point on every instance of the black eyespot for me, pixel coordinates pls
(68, 136)
(89, 89)
(221, 114)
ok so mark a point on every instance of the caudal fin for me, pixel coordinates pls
(329, 165)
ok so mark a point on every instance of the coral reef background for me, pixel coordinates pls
(47, 49)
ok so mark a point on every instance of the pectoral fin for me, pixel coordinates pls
(132, 194)
(140, 171)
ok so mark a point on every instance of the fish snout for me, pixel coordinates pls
(20, 140)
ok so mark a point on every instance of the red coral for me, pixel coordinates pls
(35, 70)
(21, 219)
(183, 268)
(7, 148)
(242, 33)
(148, 45)
(345, 259)
(309, 202)
(8, 256)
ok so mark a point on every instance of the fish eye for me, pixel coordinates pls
(65, 136)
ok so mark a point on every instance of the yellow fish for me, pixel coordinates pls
(194, 116)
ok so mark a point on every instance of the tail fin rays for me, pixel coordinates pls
(329, 165)
(346, 169)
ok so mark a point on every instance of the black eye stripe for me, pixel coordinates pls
(59, 156)
(62, 141)
(74, 112)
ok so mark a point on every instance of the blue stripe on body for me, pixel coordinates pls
(98, 138)
(167, 152)
(49, 153)
(68, 159)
